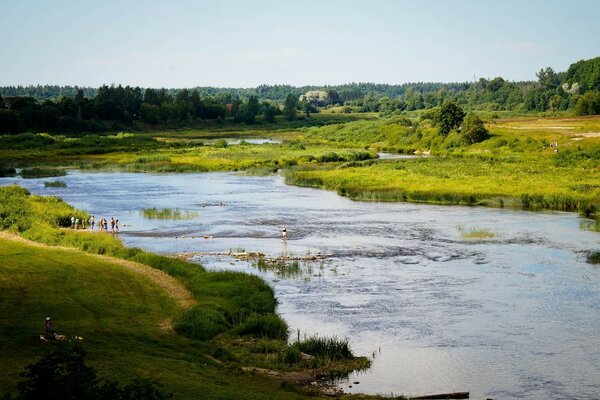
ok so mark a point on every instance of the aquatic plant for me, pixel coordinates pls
(42, 173)
(328, 348)
(593, 225)
(168, 213)
(475, 233)
(593, 257)
(55, 184)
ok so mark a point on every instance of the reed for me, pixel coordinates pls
(55, 184)
(42, 173)
(168, 213)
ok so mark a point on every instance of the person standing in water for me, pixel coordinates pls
(49, 328)
(284, 233)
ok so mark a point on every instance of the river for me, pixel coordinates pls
(516, 315)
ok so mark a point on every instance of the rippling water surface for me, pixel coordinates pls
(513, 316)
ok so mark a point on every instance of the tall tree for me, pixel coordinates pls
(289, 108)
(451, 116)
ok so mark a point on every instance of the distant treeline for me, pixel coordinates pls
(71, 108)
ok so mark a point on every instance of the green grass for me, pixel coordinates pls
(168, 213)
(475, 233)
(55, 184)
(333, 355)
(527, 183)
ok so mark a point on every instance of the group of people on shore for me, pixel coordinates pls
(103, 224)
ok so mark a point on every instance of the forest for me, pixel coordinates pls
(74, 109)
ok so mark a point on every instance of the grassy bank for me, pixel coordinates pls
(531, 184)
(132, 328)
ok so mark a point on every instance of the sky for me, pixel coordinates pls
(234, 43)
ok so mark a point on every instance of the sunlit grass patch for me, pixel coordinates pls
(475, 233)
(150, 158)
(168, 213)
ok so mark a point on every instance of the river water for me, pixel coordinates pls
(513, 316)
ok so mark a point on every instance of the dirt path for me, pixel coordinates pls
(170, 285)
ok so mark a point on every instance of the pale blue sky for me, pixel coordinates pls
(235, 43)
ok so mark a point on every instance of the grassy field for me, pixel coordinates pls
(121, 316)
(515, 167)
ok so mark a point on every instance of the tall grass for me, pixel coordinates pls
(55, 184)
(42, 173)
(475, 233)
(328, 348)
(168, 213)
(269, 326)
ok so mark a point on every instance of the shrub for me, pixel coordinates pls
(42, 173)
(269, 326)
(473, 129)
(588, 104)
(201, 322)
(7, 172)
(451, 116)
(62, 374)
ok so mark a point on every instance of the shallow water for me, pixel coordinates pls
(513, 316)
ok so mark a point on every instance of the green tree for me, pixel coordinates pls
(63, 374)
(150, 113)
(588, 104)
(451, 116)
(289, 108)
(547, 78)
(307, 108)
(269, 111)
(473, 129)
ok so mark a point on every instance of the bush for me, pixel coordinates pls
(451, 116)
(588, 104)
(7, 172)
(269, 326)
(42, 173)
(15, 214)
(62, 374)
(201, 322)
(473, 129)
